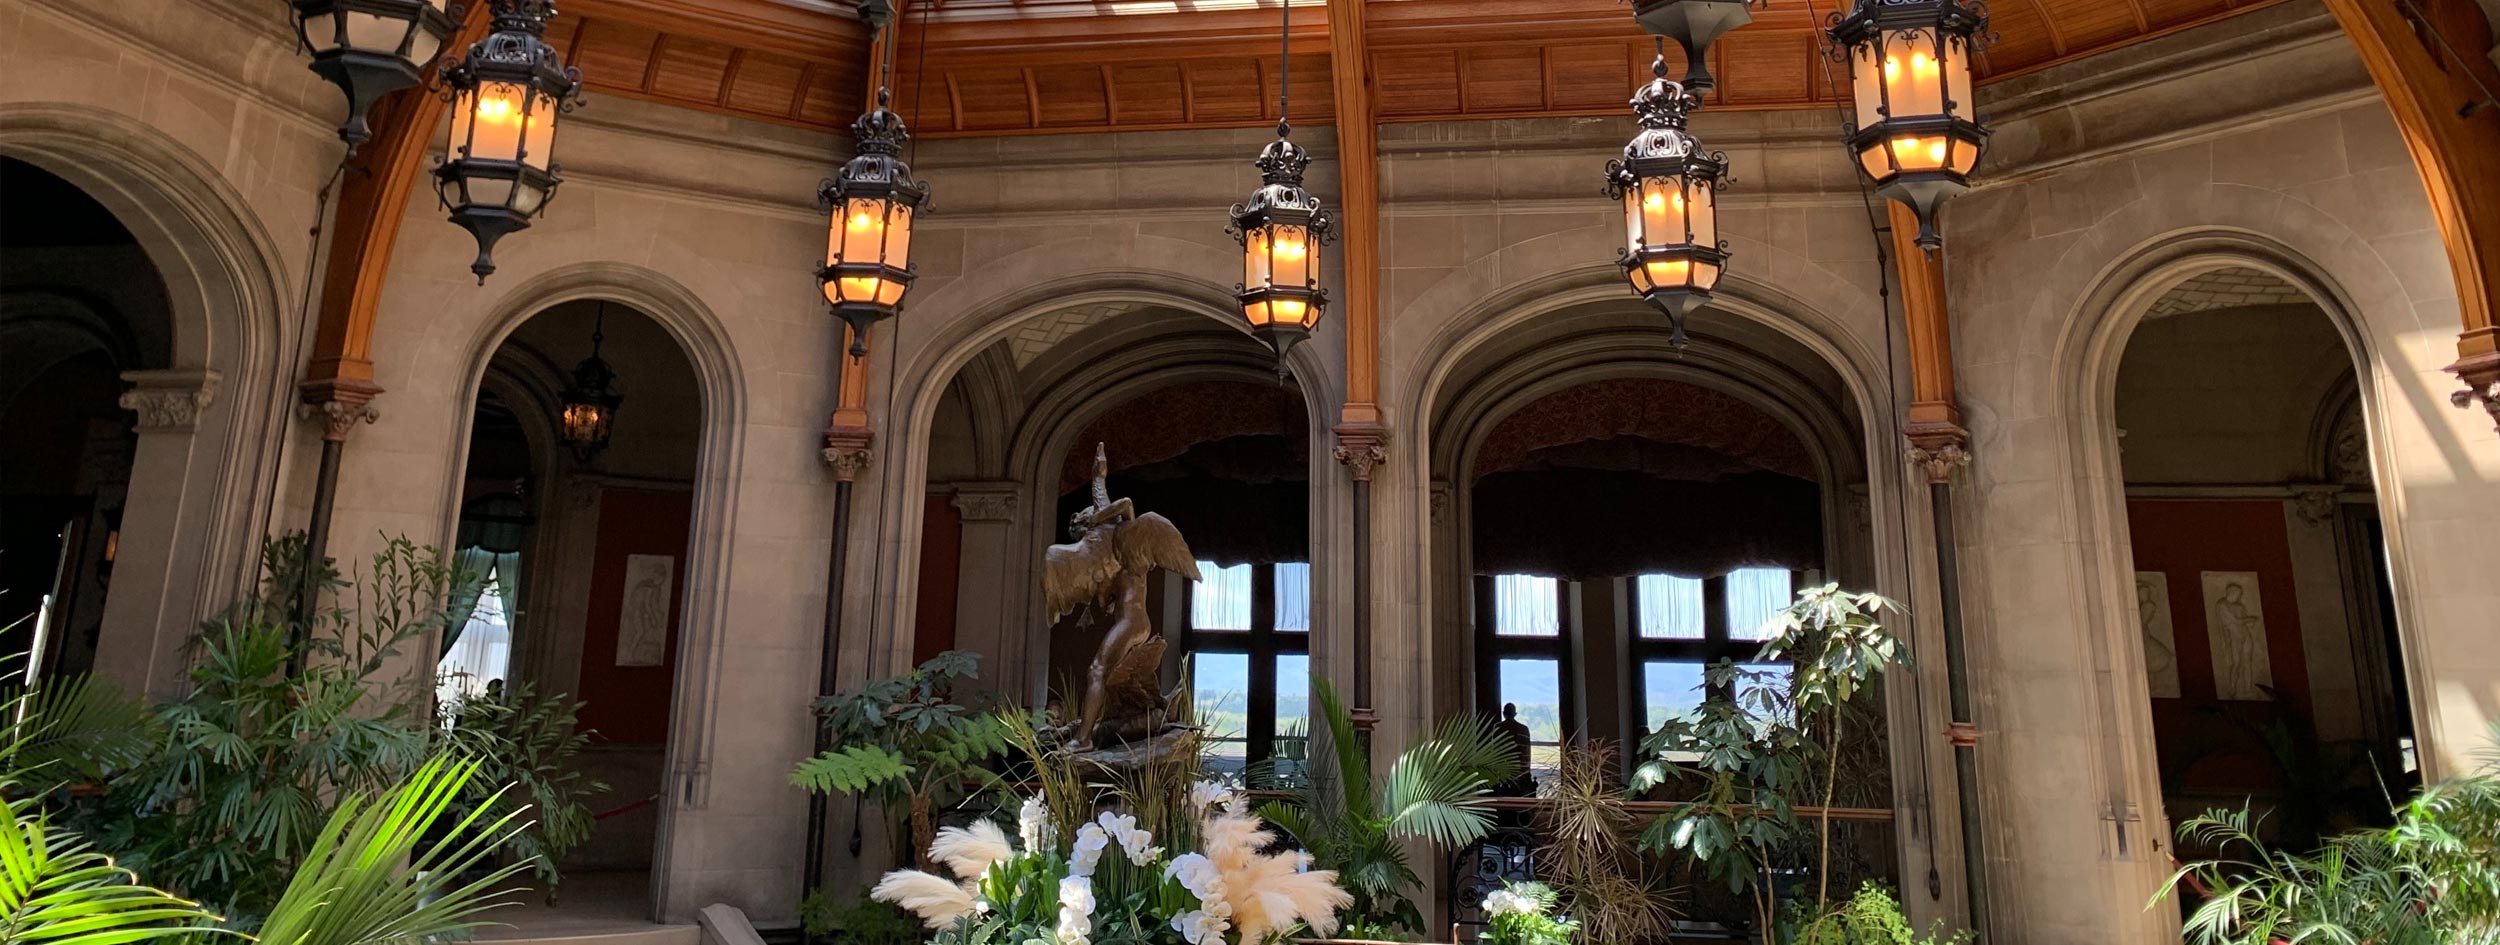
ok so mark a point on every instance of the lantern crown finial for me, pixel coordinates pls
(1282, 161)
(879, 130)
(1664, 102)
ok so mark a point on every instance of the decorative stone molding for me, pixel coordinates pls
(340, 403)
(1938, 450)
(170, 401)
(986, 504)
(2316, 505)
(1442, 495)
(2481, 374)
(1362, 448)
(846, 450)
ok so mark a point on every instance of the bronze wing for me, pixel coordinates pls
(1150, 541)
(1075, 573)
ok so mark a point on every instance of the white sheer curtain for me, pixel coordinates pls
(1525, 605)
(1293, 596)
(1670, 607)
(1754, 596)
(482, 654)
(1221, 598)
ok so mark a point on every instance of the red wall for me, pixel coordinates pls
(2182, 539)
(629, 705)
(941, 556)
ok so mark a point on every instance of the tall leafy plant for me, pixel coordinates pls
(1439, 791)
(525, 745)
(1776, 742)
(908, 743)
(1587, 856)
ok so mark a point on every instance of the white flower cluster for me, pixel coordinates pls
(1206, 924)
(1076, 911)
(1505, 902)
(1212, 796)
(1090, 842)
(1033, 825)
(1137, 843)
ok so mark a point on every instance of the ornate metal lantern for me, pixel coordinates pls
(1669, 187)
(590, 404)
(1694, 25)
(870, 206)
(371, 48)
(1918, 134)
(1280, 229)
(499, 171)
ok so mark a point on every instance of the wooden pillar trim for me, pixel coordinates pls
(1358, 161)
(373, 203)
(1938, 443)
(2455, 148)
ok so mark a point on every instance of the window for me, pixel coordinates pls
(481, 656)
(1523, 661)
(1682, 625)
(1250, 665)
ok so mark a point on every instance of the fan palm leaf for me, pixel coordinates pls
(54, 890)
(74, 727)
(374, 878)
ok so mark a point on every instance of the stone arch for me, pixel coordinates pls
(704, 613)
(920, 379)
(194, 524)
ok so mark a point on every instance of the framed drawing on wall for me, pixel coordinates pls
(2235, 628)
(642, 622)
(2161, 647)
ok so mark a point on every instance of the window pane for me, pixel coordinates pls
(1293, 597)
(1754, 596)
(481, 654)
(1669, 690)
(1535, 686)
(1525, 605)
(1220, 600)
(1670, 607)
(1293, 716)
(1219, 687)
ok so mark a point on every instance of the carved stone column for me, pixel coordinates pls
(149, 614)
(1362, 448)
(985, 621)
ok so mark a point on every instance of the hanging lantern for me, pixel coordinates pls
(371, 48)
(1669, 188)
(1918, 134)
(870, 206)
(590, 404)
(1281, 228)
(1694, 25)
(499, 171)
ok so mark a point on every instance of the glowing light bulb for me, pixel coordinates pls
(1920, 63)
(1291, 248)
(1655, 201)
(1935, 151)
(862, 221)
(1892, 68)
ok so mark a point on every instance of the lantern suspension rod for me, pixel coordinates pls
(1284, 75)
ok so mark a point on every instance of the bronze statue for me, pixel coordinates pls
(1113, 550)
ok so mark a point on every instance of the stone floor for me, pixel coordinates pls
(601, 908)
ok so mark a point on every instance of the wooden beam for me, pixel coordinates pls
(2457, 154)
(1358, 217)
(373, 202)
(1935, 426)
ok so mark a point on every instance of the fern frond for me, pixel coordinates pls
(850, 770)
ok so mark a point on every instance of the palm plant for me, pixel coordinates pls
(526, 744)
(373, 876)
(908, 743)
(56, 890)
(1438, 791)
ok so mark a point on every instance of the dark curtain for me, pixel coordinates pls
(1582, 524)
(1237, 499)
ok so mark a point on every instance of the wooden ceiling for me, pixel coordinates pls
(1009, 67)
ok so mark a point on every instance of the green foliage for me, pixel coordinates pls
(55, 890)
(74, 729)
(857, 920)
(1437, 791)
(912, 721)
(1587, 855)
(375, 875)
(851, 769)
(1871, 917)
(525, 745)
(1753, 758)
(1535, 925)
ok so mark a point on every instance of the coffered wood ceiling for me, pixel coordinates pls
(1007, 67)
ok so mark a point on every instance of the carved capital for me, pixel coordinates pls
(340, 404)
(2481, 374)
(1938, 449)
(846, 450)
(1362, 448)
(2316, 506)
(169, 401)
(990, 504)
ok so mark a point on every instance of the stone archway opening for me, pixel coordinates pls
(2261, 581)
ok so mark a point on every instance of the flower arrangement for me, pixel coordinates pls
(1516, 915)
(1111, 881)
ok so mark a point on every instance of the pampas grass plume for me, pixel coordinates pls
(937, 901)
(969, 852)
